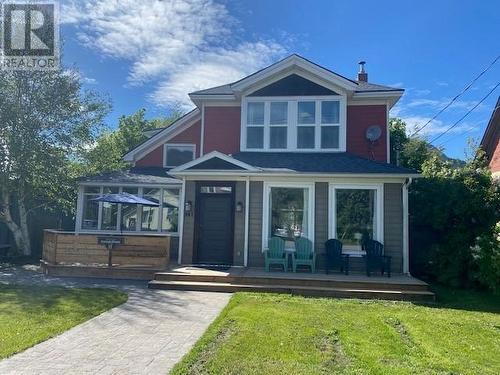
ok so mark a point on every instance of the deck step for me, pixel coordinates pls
(301, 280)
(305, 290)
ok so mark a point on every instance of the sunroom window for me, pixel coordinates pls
(150, 215)
(90, 215)
(357, 216)
(109, 216)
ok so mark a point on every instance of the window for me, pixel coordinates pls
(150, 215)
(178, 154)
(255, 125)
(133, 218)
(278, 125)
(286, 123)
(170, 210)
(109, 216)
(90, 215)
(330, 124)
(288, 213)
(129, 212)
(357, 215)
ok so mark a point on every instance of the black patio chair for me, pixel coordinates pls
(375, 258)
(334, 257)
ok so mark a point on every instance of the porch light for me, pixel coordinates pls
(239, 207)
(188, 206)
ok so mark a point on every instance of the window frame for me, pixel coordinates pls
(266, 207)
(79, 223)
(166, 145)
(292, 123)
(378, 234)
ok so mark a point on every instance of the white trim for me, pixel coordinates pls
(163, 136)
(387, 133)
(79, 209)
(181, 221)
(192, 145)
(391, 96)
(379, 207)
(292, 123)
(311, 186)
(247, 218)
(202, 130)
(262, 173)
(174, 183)
(294, 62)
(406, 248)
(210, 155)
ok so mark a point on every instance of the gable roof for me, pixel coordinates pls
(140, 176)
(214, 160)
(492, 132)
(162, 135)
(299, 61)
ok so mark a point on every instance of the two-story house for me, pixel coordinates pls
(291, 150)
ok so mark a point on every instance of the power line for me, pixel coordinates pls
(464, 116)
(473, 127)
(456, 97)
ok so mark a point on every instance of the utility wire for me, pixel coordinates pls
(464, 116)
(456, 97)
(473, 127)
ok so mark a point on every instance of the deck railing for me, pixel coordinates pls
(70, 248)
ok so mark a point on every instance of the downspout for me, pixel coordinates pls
(406, 247)
(181, 221)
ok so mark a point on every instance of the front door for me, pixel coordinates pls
(214, 223)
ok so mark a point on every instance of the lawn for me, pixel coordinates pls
(280, 334)
(31, 314)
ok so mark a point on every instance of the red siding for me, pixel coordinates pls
(222, 129)
(495, 158)
(155, 157)
(359, 118)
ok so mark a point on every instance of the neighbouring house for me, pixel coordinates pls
(292, 150)
(490, 142)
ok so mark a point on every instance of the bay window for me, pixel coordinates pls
(356, 213)
(288, 212)
(288, 123)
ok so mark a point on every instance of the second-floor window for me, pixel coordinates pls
(178, 154)
(279, 124)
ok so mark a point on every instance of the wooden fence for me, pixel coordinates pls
(69, 248)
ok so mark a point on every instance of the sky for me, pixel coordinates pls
(151, 53)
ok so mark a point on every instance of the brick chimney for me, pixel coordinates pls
(362, 75)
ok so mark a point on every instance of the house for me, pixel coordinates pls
(292, 150)
(490, 143)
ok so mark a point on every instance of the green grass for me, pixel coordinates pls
(31, 314)
(280, 334)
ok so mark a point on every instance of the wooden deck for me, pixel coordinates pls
(397, 287)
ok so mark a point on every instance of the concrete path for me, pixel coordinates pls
(146, 335)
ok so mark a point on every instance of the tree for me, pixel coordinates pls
(46, 120)
(107, 154)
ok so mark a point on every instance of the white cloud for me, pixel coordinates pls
(437, 126)
(437, 104)
(179, 45)
(423, 92)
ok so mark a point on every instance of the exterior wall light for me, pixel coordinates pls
(239, 207)
(188, 208)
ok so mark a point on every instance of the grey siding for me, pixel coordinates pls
(393, 224)
(255, 256)
(188, 230)
(239, 224)
(320, 220)
(174, 249)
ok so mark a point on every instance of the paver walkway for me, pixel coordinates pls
(146, 335)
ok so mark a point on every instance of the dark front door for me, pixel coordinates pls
(214, 223)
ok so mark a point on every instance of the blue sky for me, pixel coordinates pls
(151, 53)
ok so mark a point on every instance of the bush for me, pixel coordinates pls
(486, 255)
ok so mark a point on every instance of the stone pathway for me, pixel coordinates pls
(146, 335)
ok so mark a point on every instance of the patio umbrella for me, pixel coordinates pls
(126, 198)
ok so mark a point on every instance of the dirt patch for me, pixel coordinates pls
(329, 344)
(198, 367)
(400, 328)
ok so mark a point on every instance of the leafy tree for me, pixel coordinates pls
(46, 120)
(110, 147)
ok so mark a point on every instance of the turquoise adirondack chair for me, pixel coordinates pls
(304, 254)
(275, 254)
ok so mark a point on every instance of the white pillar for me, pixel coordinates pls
(406, 252)
(247, 215)
(181, 219)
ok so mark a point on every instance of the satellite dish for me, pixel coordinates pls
(373, 133)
